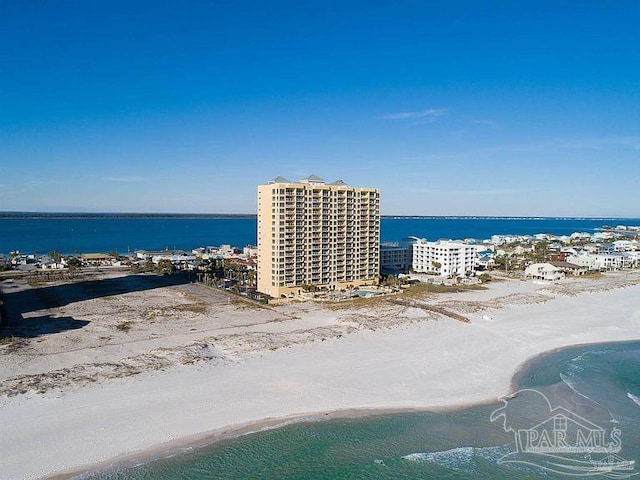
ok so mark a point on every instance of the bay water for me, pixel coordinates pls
(107, 233)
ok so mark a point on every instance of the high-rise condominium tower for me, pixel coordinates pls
(315, 233)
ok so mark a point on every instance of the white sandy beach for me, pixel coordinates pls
(217, 368)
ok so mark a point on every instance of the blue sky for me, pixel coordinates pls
(450, 108)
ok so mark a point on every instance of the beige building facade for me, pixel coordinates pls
(315, 233)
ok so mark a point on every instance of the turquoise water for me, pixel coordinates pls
(600, 383)
(111, 233)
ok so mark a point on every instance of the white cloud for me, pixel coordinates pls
(433, 114)
(569, 144)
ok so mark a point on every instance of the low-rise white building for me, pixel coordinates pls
(602, 236)
(604, 261)
(543, 271)
(624, 246)
(580, 236)
(173, 258)
(250, 251)
(605, 247)
(502, 239)
(444, 257)
(614, 261)
(569, 268)
(584, 259)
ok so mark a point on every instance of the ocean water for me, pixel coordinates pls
(112, 233)
(599, 384)
(106, 234)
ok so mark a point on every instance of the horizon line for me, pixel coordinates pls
(53, 214)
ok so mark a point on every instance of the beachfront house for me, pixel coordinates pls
(580, 237)
(47, 263)
(543, 271)
(569, 268)
(97, 259)
(624, 245)
(605, 261)
(485, 260)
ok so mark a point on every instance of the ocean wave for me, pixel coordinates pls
(460, 458)
(635, 399)
(622, 421)
(572, 385)
(577, 364)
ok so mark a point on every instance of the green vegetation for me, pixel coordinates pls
(421, 289)
(416, 289)
(197, 307)
(73, 263)
(12, 343)
(55, 256)
(124, 326)
(391, 281)
(35, 281)
(191, 307)
(164, 267)
(247, 303)
(591, 275)
(356, 302)
(540, 251)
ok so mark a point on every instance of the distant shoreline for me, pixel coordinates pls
(134, 215)
(62, 215)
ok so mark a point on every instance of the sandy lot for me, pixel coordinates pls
(147, 361)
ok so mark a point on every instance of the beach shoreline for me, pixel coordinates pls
(231, 432)
(210, 439)
(421, 365)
